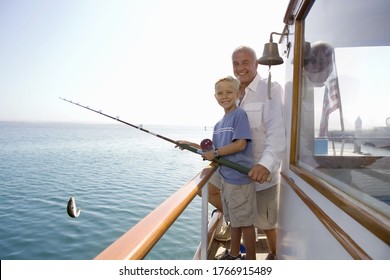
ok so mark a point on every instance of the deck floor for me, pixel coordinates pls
(218, 247)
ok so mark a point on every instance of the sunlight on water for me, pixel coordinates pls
(117, 175)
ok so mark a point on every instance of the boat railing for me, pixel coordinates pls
(136, 243)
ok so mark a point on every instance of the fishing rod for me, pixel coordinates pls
(222, 161)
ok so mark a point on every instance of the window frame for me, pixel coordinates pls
(374, 221)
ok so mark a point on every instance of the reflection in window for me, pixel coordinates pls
(345, 112)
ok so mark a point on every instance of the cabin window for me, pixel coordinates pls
(344, 135)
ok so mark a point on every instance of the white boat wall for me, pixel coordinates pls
(334, 201)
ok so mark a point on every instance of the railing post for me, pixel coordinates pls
(205, 214)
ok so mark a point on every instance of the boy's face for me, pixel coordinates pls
(226, 95)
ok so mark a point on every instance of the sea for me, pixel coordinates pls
(117, 175)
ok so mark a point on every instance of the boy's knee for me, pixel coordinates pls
(213, 190)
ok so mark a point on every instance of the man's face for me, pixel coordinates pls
(244, 67)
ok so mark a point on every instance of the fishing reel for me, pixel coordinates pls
(207, 145)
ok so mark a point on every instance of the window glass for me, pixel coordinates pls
(344, 134)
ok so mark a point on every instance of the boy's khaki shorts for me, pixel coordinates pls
(266, 203)
(239, 204)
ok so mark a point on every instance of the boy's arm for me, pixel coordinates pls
(234, 147)
(197, 146)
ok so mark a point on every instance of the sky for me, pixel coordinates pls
(148, 62)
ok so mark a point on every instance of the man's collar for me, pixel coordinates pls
(253, 85)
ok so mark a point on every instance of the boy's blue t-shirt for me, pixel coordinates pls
(234, 126)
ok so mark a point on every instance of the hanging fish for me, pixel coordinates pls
(73, 211)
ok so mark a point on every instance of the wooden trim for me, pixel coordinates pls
(373, 221)
(297, 70)
(303, 9)
(345, 240)
(136, 243)
(296, 10)
(289, 16)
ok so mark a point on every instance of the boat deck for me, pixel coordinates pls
(218, 247)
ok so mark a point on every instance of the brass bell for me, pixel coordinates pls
(270, 55)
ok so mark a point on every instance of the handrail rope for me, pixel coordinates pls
(136, 243)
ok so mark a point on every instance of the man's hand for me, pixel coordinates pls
(259, 174)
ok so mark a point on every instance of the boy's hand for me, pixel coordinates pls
(182, 142)
(209, 155)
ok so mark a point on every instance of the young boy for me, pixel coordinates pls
(232, 141)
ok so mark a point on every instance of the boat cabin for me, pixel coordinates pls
(335, 193)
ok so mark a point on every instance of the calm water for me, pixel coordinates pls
(117, 175)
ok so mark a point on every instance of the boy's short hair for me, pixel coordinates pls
(235, 82)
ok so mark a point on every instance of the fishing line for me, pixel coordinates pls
(222, 161)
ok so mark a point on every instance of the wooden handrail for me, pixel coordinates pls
(343, 238)
(136, 243)
(374, 221)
